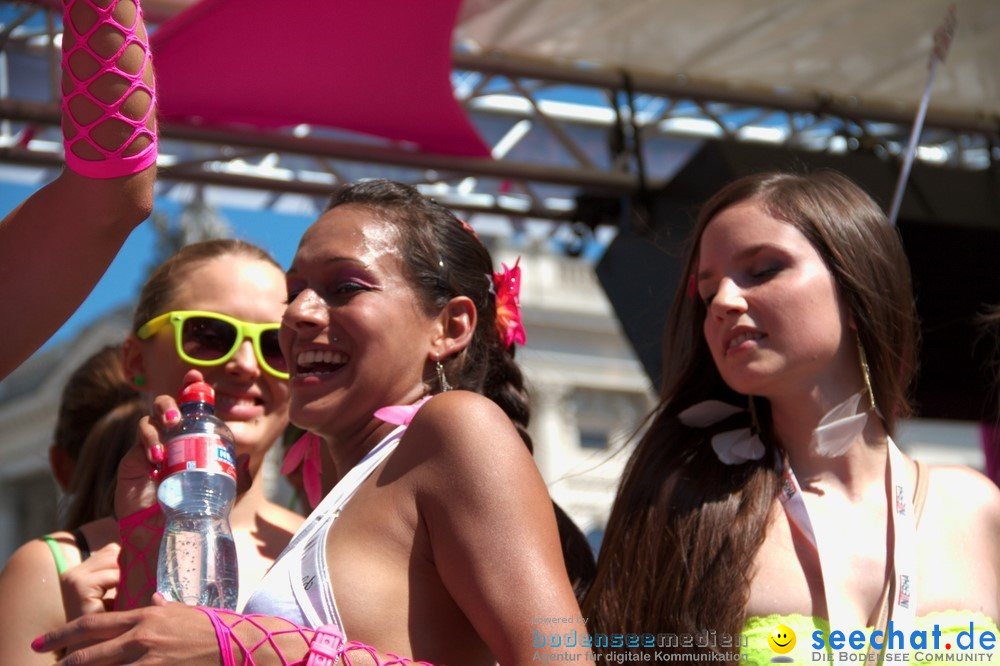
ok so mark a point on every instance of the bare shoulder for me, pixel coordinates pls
(463, 423)
(34, 559)
(30, 602)
(467, 437)
(963, 497)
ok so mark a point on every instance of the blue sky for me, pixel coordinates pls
(276, 232)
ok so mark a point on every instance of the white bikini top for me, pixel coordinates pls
(297, 586)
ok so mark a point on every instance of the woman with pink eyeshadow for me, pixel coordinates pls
(439, 540)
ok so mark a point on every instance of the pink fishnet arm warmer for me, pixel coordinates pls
(140, 535)
(109, 128)
(259, 639)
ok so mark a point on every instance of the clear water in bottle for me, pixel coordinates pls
(198, 557)
(197, 563)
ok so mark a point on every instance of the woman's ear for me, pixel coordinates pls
(133, 362)
(456, 324)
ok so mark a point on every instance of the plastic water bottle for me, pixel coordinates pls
(197, 562)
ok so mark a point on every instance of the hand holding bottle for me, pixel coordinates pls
(197, 562)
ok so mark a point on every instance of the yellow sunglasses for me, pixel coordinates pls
(210, 338)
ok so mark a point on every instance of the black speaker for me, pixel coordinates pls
(950, 225)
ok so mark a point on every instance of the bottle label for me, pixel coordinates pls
(203, 452)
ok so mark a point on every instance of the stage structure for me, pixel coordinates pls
(556, 131)
(582, 112)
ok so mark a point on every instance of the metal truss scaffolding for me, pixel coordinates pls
(557, 132)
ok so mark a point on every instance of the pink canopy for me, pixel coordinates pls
(379, 67)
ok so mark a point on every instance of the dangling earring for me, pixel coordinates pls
(442, 379)
(866, 374)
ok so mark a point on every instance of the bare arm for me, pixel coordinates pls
(30, 603)
(493, 530)
(55, 246)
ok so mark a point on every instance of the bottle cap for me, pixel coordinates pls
(197, 392)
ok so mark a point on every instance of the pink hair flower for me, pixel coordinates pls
(507, 284)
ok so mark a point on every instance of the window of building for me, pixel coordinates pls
(593, 439)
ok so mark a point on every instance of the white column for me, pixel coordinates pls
(550, 429)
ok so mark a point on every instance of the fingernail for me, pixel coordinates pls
(172, 415)
(38, 644)
(157, 453)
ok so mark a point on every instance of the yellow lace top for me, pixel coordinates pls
(950, 623)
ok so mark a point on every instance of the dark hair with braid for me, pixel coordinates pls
(443, 258)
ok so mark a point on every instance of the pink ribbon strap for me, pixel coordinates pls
(305, 453)
(400, 414)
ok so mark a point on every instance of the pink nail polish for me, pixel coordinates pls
(172, 415)
(38, 644)
(157, 453)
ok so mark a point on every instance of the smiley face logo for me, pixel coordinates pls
(781, 639)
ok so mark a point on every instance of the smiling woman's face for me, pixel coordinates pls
(253, 403)
(775, 324)
(354, 332)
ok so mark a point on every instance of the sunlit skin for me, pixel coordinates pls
(777, 327)
(358, 338)
(252, 402)
(255, 407)
(775, 324)
(347, 282)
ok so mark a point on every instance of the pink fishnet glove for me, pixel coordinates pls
(291, 644)
(108, 91)
(140, 534)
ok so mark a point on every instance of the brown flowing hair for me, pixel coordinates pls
(679, 548)
(443, 259)
(96, 388)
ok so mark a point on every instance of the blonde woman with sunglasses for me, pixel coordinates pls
(214, 306)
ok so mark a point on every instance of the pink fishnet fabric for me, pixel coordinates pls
(108, 79)
(245, 636)
(140, 535)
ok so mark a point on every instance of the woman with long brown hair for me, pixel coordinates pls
(766, 491)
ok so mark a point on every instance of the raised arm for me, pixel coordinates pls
(56, 245)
